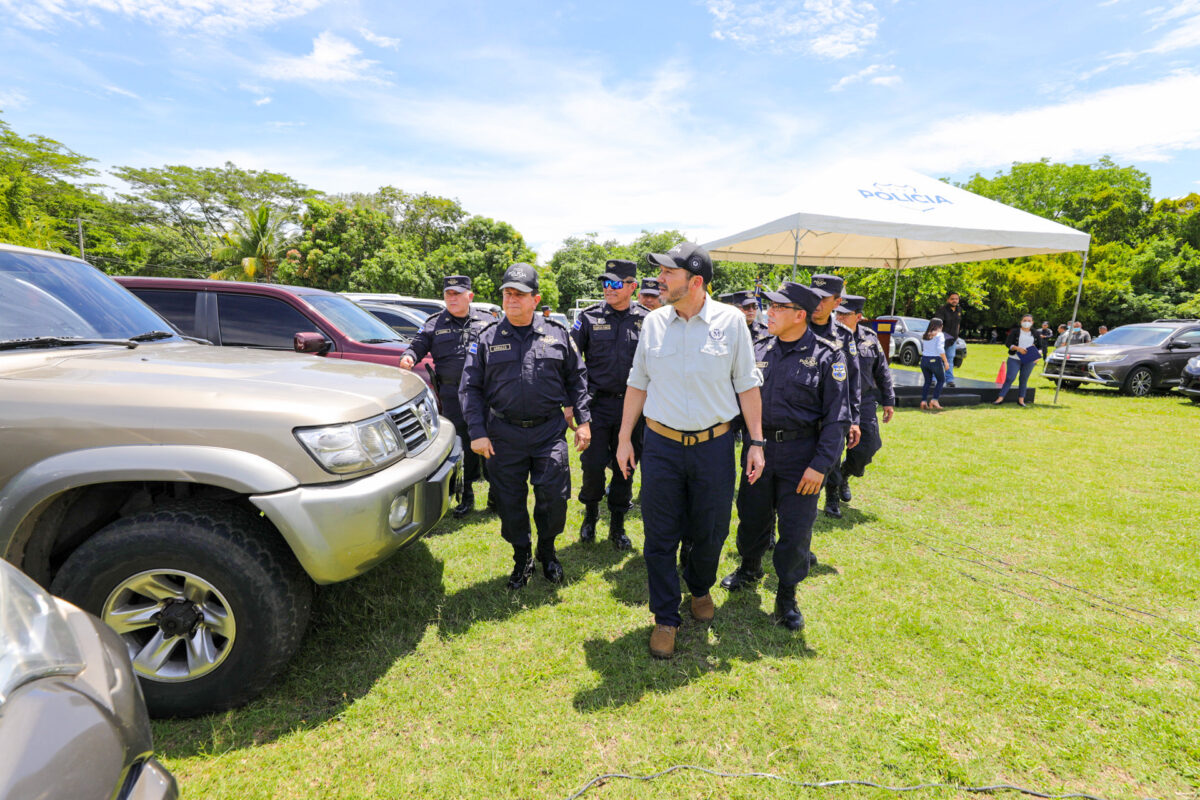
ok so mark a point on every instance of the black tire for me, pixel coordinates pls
(1139, 382)
(909, 356)
(261, 596)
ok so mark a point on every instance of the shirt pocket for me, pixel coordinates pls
(504, 366)
(803, 390)
(548, 359)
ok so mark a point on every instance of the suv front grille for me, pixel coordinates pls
(1074, 368)
(417, 423)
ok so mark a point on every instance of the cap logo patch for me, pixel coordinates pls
(838, 372)
(819, 282)
(694, 263)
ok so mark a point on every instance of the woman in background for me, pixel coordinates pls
(1023, 355)
(933, 364)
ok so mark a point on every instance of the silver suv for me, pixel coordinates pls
(191, 495)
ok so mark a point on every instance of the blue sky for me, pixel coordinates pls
(607, 117)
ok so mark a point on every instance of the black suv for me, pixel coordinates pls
(1137, 359)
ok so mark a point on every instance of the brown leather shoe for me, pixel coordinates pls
(703, 609)
(662, 641)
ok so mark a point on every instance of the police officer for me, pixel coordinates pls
(446, 336)
(876, 386)
(829, 288)
(804, 414)
(607, 334)
(521, 379)
(648, 295)
(749, 305)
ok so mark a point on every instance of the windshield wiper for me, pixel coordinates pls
(52, 341)
(380, 341)
(150, 336)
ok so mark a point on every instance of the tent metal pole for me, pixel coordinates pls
(796, 237)
(1070, 327)
(895, 288)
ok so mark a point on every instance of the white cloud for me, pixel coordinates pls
(830, 28)
(262, 101)
(1184, 34)
(122, 92)
(877, 74)
(208, 16)
(12, 100)
(1140, 122)
(333, 59)
(379, 41)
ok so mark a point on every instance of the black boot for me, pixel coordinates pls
(551, 568)
(522, 567)
(591, 513)
(844, 490)
(832, 508)
(787, 613)
(466, 506)
(744, 576)
(616, 530)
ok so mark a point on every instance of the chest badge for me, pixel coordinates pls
(716, 334)
(838, 371)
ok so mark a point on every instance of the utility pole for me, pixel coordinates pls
(79, 227)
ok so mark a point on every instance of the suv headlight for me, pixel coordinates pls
(353, 446)
(38, 642)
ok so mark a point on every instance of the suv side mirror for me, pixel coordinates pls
(311, 342)
(1179, 346)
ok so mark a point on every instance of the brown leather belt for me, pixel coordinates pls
(688, 438)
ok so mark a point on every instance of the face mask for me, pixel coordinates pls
(1026, 325)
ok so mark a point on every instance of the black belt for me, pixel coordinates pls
(603, 393)
(529, 422)
(781, 435)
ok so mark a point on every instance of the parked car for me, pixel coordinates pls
(1137, 359)
(905, 344)
(190, 495)
(272, 316)
(72, 719)
(1189, 381)
(406, 322)
(427, 306)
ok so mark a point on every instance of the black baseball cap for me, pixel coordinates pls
(685, 255)
(650, 286)
(521, 277)
(851, 304)
(619, 269)
(827, 285)
(456, 283)
(796, 294)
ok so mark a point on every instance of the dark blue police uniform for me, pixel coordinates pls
(515, 384)
(446, 338)
(833, 330)
(608, 339)
(877, 390)
(745, 300)
(805, 411)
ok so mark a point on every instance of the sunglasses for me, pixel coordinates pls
(615, 284)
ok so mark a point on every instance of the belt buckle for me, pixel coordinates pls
(778, 437)
(689, 439)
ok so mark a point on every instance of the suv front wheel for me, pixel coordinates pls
(208, 599)
(1139, 382)
(909, 355)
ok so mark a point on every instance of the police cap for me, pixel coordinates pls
(827, 285)
(851, 304)
(795, 294)
(650, 286)
(618, 269)
(456, 283)
(521, 277)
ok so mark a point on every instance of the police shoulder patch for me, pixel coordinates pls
(473, 348)
(838, 371)
(578, 323)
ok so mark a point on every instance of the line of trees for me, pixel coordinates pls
(237, 224)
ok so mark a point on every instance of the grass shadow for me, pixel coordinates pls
(356, 631)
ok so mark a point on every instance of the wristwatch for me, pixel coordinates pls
(757, 442)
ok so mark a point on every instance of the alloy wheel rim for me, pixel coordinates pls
(176, 626)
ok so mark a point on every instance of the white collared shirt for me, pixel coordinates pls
(693, 370)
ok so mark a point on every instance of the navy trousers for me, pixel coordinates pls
(871, 442)
(693, 499)
(530, 455)
(774, 495)
(602, 454)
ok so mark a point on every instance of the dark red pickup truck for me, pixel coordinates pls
(273, 317)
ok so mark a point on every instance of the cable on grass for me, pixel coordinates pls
(599, 780)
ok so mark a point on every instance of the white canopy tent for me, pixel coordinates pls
(893, 218)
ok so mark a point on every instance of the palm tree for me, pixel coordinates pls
(253, 248)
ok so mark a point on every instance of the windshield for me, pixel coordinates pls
(1135, 335)
(44, 296)
(351, 319)
(916, 325)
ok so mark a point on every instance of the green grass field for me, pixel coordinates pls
(1012, 597)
